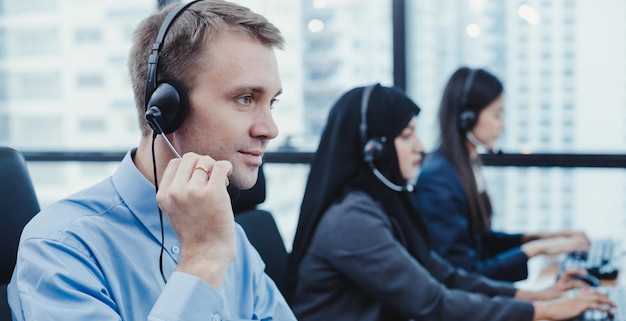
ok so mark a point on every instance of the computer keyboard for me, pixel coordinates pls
(618, 296)
(601, 261)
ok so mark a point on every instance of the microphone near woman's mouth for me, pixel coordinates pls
(477, 143)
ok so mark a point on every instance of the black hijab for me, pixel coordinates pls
(339, 166)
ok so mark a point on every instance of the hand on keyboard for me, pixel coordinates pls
(602, 259)
(568, 307)
(589, 279)
(615, 294)
(555, 245)
(566, 282)
(567, 234)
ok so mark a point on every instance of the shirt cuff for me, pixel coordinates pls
(186, 297)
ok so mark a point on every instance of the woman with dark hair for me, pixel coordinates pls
(452, 197)
(361, 250)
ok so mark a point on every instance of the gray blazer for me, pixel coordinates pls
(355, 269)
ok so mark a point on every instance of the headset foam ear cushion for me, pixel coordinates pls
(372, 150)
(170, 97)
(467, 120)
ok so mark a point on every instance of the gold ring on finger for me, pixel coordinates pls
(204, 169)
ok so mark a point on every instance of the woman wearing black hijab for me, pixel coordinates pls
(360, 251)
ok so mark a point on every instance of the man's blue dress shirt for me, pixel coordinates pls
(95, 256)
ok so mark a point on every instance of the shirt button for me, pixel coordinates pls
(216, 317)
(175, 249)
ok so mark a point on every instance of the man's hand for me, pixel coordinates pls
(193, 196)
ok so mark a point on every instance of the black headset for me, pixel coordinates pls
(374, 147)
(467, 117)
(166, 102)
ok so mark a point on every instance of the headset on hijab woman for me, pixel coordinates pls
(374, 147)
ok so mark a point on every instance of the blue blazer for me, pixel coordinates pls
(442, 202)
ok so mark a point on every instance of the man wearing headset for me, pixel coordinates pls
(204, 77)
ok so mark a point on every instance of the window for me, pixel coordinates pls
(5, 130)
(43, 176)
(568, 139)
(522, 122)
(4, 90)
(3, 40)
(38, 85)
(37, 130)
(88, 36)
(36, 42)
(30, 6)
(123, 105)
(567, 189)
(92, 125)
(47, 76)
(522, 206)
(90, 80)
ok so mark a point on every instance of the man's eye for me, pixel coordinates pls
(273, 102)
(246, 100)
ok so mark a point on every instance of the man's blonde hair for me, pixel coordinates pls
(186, 40)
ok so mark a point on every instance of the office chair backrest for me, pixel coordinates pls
(262, 231)
(18, 204)
(249, 198)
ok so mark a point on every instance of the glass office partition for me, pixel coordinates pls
(563, 68)
(64, 85)
(531, 199)
(562, 64)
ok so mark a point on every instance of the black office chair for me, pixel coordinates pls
(262, 231)
(18, 204)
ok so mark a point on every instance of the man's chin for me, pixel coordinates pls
(245, 180)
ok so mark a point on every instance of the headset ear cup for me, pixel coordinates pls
(372, 150)
(170, 97)
(467, 120)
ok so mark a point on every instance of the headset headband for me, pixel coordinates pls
(467, 86)
(153, 59)
(367, 92)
